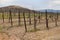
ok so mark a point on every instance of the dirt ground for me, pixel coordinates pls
(18, 32)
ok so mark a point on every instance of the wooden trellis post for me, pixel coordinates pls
(39, 17)
(41, 14)
(47, 20)
(35, 21)
(57, 15)
(7, 13)
(11, 17)
(25, 22)
(56, 19)
(19, 18)
(14, 12)
(3, 16)
(29, 18)
(52, 17)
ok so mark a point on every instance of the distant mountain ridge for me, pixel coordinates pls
(50, 10)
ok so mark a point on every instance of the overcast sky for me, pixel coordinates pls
(33, 4)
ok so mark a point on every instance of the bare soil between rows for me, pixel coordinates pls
(18, 32)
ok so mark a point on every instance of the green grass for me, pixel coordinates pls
(32, 30)
(6, 16)
(1, 28)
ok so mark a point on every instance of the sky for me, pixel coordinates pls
(33, 4)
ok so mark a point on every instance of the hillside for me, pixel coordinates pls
(13, 8)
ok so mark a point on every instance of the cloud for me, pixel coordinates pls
(56, 1)
(54, 4)
(6, 1)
